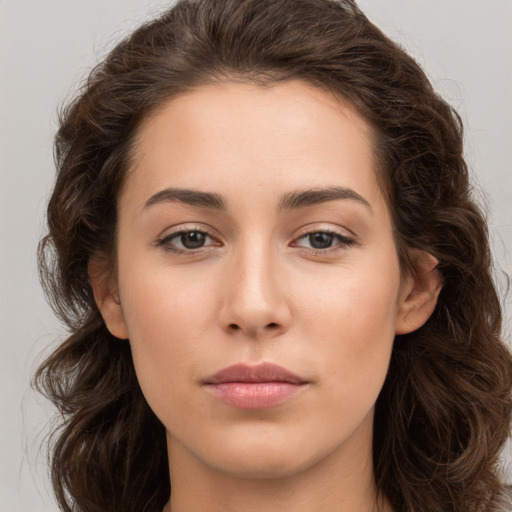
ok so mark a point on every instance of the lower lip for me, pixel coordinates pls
(254, 395)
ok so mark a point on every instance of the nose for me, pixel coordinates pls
(254, 302)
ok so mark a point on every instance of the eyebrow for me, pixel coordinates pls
(290, 201)
(311, 197)
(187, 196)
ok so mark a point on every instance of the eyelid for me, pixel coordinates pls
(170, 233)
(344, 240)
(185, 227)
(324, 227)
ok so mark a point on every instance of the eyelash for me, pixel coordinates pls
(166, 245)
(342, 242)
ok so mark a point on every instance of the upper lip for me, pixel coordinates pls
(264, 372)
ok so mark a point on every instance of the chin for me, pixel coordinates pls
(265, 456)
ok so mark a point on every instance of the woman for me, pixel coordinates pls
(277, 284)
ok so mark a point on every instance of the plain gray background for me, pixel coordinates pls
(47, 46)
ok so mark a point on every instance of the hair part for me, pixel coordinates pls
(444, 412)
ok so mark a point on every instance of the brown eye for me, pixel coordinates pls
(186, 241)
(193, 239)
(321, 240)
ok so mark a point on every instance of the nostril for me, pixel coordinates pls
(234, 327)
(272, 325)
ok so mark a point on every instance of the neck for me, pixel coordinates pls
(277, 498)
(342, 481)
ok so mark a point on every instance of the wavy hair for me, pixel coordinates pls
(444, 411)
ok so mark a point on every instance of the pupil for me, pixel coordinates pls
(192, 240)
(321, 240)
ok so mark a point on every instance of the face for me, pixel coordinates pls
(258, 280)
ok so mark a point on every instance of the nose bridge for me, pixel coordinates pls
(254, 301)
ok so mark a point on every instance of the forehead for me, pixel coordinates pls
(286, 136)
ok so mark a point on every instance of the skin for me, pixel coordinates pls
(258, 291)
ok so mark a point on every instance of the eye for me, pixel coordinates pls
(186, 241)
(323, 240)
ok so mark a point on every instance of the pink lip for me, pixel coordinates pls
(254, 387)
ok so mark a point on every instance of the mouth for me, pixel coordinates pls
(254, 387)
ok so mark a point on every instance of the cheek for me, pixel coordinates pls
(353, 326)
(161, 305)
(167, 323)
(358, 305)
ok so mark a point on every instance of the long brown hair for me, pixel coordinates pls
(444, 411)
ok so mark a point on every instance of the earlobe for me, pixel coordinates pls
(420, 291)
(107, 299)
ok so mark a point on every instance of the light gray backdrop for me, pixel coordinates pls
(47, 46)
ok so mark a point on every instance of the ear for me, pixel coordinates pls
(107, 298)
(419, 293)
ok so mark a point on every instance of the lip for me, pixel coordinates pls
(254, 387)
